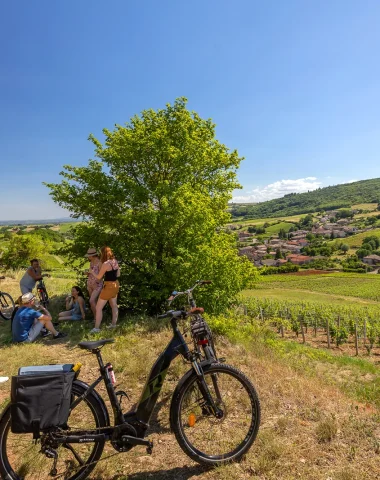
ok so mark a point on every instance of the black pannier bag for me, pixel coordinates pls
(41, 398)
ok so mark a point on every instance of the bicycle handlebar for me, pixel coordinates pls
(189, 291)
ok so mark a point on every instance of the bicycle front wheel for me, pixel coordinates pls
(203, 437)
(21, 457)
(7, 305)
(44, 297)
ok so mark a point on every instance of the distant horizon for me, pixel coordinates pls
(34, 221)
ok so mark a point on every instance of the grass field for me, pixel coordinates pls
(305, 296)
(312, 416)
(274, 229)
(365, 206)
(260, 221)
(342, 284)
(65, 227)
(356, 240)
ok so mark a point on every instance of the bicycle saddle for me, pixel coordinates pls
(95, 345)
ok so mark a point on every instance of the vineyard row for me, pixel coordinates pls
(360, 323)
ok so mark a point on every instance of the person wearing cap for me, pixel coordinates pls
(94, 286)
(28, 322)
(31, 276)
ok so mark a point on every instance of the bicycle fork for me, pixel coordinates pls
(205, 391)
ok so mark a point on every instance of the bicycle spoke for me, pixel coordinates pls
(205, 432)
(28, 460)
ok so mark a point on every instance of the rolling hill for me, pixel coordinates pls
(328, 198)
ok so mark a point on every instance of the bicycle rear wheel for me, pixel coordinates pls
(205, 438)
(21, 457)
(7, 305)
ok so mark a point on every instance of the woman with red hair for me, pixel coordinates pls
(110, 270)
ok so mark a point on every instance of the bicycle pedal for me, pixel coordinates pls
(136, 441)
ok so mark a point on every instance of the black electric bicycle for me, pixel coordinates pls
(212, 425)
(7, 305)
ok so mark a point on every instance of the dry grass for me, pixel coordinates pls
(308, 431)
(55, 286)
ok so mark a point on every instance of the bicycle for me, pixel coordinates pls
(42, 292)
(7, 304)
(200, 331)
(212, 426)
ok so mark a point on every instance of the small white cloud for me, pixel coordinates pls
(279, 189)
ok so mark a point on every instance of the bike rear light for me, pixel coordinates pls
(203, 342)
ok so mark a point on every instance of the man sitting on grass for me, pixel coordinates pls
(28, 322)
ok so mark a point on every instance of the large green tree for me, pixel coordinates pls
(157, 194)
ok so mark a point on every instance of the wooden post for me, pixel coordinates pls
(261, 314)
(302, 329)
(245, 309)
(282, 331)
(365, 332)
(356, 339)
(328, 333)
(338, 332)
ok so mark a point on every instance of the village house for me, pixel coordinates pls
(321, 231)
(299, 259)
(249, 252)
(291, 247)
(245, 250)
(303, 243)
(299, 237)
(372, 260)
(281, 261)
(244, 235)
(338, 233)
(350, 230)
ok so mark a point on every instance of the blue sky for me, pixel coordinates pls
(294, 86)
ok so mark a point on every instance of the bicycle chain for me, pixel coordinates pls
(73, 432)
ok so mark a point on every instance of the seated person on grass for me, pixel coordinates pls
(28, 322)
(75, 306)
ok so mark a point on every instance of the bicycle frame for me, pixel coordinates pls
(141, 415)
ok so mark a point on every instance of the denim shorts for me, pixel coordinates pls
(34, 332)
